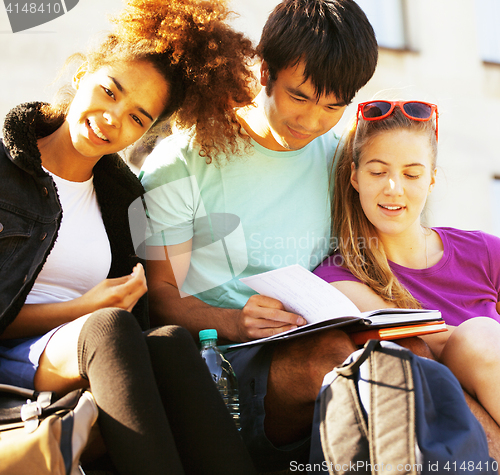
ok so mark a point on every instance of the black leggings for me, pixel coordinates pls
(159, 410)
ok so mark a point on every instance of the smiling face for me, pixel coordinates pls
(294, 114)
(114, 106)
(394, 177)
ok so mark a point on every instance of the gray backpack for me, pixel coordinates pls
(388, 411)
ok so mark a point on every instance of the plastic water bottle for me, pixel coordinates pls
(222, 373)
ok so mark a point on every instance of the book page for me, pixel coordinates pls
(302, 292)
(323, 306)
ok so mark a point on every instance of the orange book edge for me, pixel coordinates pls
(393, 333)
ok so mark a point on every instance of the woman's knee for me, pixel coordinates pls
(170, 338)
(172, 331)
(107, 319)
(474, 341)
(106, 329)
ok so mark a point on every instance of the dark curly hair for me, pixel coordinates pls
(205, 62)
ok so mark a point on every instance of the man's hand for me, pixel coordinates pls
(264, 316)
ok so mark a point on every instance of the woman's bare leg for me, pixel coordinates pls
(107, 349)
(472, 353)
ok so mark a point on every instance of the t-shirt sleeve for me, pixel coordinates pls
(331, 270)
(172, 197)
(492, 244)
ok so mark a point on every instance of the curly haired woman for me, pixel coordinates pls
(72, 292)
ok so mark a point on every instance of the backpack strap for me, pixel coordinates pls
(343, 428)
(359, 434)
(18, 391)
(391, 416)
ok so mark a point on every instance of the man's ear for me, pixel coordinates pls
(264, 74)
(80, 73)
(354, 177)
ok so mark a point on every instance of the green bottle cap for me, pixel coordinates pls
(208, 335)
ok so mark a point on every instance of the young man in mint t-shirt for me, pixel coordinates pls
(266, 207)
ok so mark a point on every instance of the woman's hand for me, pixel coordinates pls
(121, 292)
(37, 319)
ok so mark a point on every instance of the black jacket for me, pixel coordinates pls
(30, 211)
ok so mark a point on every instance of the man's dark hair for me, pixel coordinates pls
(333, 38)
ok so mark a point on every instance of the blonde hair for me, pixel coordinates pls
(354, 232)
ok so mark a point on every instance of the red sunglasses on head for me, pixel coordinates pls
(415, 110)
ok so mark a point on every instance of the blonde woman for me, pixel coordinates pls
(387, 258)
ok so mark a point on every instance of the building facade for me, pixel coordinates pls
(441, 51)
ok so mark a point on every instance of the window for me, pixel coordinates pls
(488, 21)
(388, 18)
(495, 196)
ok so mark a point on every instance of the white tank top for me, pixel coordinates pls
(81, 256)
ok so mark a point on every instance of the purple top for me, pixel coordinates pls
(465, 283)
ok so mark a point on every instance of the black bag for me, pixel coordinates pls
(386, 410)
(40, 434)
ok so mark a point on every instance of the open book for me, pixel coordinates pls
(322, 305)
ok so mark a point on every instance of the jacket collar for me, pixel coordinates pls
(20, 136)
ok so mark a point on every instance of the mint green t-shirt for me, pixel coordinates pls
(258, 211)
